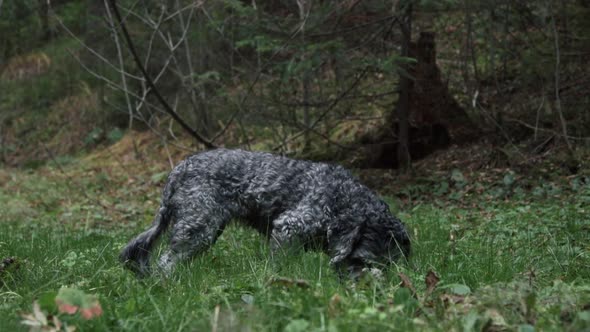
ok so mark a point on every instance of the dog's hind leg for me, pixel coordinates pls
(194, 232)
(135, 255)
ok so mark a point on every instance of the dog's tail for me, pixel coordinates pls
(136, 255)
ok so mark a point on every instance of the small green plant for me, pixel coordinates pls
(68, 301)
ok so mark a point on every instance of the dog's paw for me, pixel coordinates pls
(374, 272)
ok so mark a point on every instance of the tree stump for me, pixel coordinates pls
(436, 119)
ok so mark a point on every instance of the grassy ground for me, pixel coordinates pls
(520, 263)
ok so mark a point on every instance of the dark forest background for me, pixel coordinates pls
(374, 84)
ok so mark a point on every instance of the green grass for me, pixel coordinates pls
(502, 265)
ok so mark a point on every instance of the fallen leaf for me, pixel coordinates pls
(458, 289)
(452, 299)
(66, 308)
(431, 281)
(407, 283)
(297, 325)
(37, 320)
(89, 313)
(334, 305)
(289, 282)
(39, 315)
(70, 301)
(495, 321)
(248, 299)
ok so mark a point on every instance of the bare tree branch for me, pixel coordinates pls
(156, 131)
(253, 83)
(151, 84)
(549, 131)
(124, 74)
(121, 62)
(172, 46)
(328, 109)
(111, 83)
(91, 50)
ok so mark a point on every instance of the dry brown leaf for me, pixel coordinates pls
(407, 283)
(431, 281)
(452, 299)
(334, 305)
(287, 282)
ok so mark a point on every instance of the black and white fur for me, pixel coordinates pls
(291, 202)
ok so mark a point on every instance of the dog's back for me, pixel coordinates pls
(281, 197)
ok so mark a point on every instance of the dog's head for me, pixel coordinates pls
(378, 239)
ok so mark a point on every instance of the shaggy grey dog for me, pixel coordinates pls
(291, 202)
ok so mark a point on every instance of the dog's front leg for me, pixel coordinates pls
(194, 233)
(294, 229)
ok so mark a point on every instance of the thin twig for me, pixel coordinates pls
(168, 154)
(215, 318)
(156, 131)
(328, 110)
(556, 85)
(500, 128)
(191, 87)
(121, 62)
(170, 44)
(90, 49)
(552, 132)
(148, 79)
(250, 89)
(539, 114)
(111, 83)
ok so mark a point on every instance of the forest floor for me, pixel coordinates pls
(494, 249)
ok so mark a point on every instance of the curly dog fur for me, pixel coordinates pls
(291, 202)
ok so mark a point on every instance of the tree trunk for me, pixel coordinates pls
(405, 85)
(306, 82)
(306, 113)
(44, 18)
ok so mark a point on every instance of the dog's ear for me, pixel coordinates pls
(342, 239)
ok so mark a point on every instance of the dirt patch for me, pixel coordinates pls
(26, 66)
